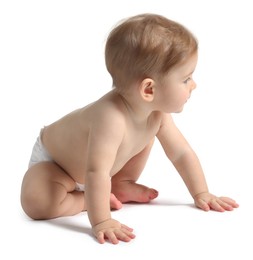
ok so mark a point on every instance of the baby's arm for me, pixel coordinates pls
(187, 164)
(105, 136)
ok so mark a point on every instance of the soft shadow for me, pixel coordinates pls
(70, 224)
(163, 202)
(174, 203)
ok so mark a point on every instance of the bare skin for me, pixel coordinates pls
(105, 146)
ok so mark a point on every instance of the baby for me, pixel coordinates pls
(90, 159)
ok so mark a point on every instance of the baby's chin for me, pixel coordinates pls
(179, 110)
(176, 111)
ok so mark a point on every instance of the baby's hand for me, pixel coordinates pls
(207, 201)
(113, 231)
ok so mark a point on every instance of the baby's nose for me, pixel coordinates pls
(193, 86)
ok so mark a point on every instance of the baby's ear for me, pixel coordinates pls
(147, 89)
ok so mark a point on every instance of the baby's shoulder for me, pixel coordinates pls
(103, 112)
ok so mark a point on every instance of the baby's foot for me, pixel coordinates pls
(114, 202)
(128, 191)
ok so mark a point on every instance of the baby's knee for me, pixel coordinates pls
(34, 206)
(37, 205)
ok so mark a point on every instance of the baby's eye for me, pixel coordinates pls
(187, 80)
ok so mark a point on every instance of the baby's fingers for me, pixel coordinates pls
(128, 232)
(223, 203)
(217, 205)
(101, 237)
(230, 202)
(119, 235)
(202, 204)
(124, 236)
(111, 236)
(126, 227)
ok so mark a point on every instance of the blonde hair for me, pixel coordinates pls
(146, 45)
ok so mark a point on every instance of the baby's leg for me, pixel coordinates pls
(49, 192)
(124, 184)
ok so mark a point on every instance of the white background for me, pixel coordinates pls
(52, 61)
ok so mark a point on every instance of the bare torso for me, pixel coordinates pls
(67, 139)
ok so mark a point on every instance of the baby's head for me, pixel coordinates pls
(146, 46)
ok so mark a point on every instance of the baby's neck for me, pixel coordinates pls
(138, 109)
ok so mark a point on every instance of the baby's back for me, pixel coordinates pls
(67, 139)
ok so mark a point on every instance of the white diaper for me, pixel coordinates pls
(79, 187)
(40, 154)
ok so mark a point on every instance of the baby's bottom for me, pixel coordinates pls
(40, 154)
